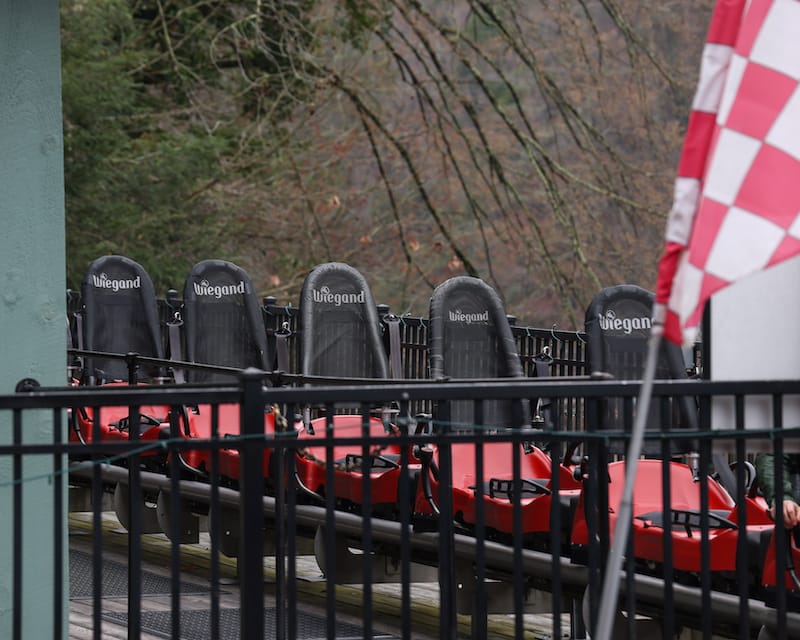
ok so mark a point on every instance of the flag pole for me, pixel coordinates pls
(611, 580)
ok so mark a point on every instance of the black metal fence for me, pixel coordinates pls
(480, 539)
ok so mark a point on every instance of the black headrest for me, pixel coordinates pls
(120, 315)
(618, 324)
(470, 337)
(469, 322)
(618, 327)
(223, 320)
(340, 327)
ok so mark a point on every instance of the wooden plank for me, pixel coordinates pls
(311, 588)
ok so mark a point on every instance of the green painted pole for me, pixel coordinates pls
(32, 308)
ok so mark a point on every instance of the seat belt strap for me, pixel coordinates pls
(395, 361)
(282, 347)
(542, 363)
(175, 351)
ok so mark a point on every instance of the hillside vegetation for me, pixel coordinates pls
(532, 143)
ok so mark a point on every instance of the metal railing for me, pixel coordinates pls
(468, 558)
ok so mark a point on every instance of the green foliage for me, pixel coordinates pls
(361, 19)
(150, 131)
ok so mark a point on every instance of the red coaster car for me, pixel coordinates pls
(618, 330)
(685, 510)
(341, 338)
(470, 337)
(119, 315)
(223, 327)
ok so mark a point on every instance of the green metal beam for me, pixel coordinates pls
(32, 285)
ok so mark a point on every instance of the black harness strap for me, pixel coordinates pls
(726, 476)
(542, 363)
(395, 362)
(282, 347)
(175, 351)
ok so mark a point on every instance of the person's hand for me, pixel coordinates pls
(790, 512)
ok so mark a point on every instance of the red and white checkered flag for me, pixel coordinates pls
(736, 208)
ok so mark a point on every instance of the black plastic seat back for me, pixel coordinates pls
(470, 337)
(618, 322)
(120, 315)
(339, 324)
(223, 321)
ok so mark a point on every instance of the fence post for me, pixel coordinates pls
(133, 368)
(251, 511)
(448, 590)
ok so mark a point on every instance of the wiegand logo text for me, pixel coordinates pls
(480, 317)
(610, 322)
(324, 294)
(205, 288)
(116, 284)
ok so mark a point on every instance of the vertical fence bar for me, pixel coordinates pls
(705, 543)
(251, 516)
(134, 512)
(557, 528)
(97, 530)
(282, 513)
(404, 497)
(285, 485)
(780, 533)
(518, 578)
(448, 622)
(214, 525)
(630, 583)
(630, 555)
(134, 526)
(742, 568)
(330, 525)
(666, 486)
(591, 491)
(17, 528)
(479, 611)
(175, 522)
(704, 461)
(366, 531)
(58, 528)
(366, 525)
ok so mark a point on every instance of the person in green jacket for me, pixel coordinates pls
(765, 468)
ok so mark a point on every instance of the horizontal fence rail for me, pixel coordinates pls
(455, 514)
